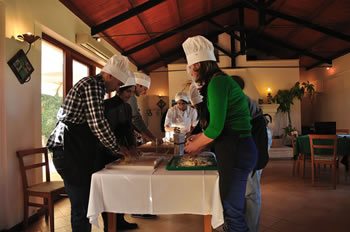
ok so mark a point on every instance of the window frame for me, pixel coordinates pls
(69, 55)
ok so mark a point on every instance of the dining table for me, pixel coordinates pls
(155, 191)
(302, 146)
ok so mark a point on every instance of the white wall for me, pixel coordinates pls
(20, 108)
(3, 158)
(333, 94)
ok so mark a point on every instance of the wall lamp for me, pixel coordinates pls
(29, 38)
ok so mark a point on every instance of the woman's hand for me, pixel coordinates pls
(196, 143)
(192, 146)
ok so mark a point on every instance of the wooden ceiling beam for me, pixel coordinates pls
(180, 29)
(228, 30)
(124, 16)
(281, 43)
(243, 41)
(227, 53)
(177, 51)
(296, 20)
(335, 56)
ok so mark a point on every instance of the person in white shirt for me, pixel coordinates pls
(181, 117)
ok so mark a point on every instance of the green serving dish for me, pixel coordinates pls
(173, 165)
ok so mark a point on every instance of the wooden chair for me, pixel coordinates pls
(300, 161)
(342, 131)
(324, 151)
(296, 162)
(48, 190)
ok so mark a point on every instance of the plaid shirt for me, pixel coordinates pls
(84, 103)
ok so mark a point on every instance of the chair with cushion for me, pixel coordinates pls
(36, 159)
(324, 152)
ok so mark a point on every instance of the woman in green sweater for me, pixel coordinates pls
(229, 129)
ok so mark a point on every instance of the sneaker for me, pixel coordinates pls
(144, 216)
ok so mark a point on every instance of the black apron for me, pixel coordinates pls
(75, 162)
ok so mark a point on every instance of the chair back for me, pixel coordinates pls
(342, 131)
(32, 162)
(323, 147)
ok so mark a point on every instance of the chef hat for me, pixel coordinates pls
(130, 81)
(143, 79)
(195, 96)
(198, 49)
(118, 67)
(181, 96)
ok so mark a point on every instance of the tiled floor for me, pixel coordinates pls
(289, 204)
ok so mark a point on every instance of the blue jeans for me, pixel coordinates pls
(236, 158)
(79, 200)
(253, 201)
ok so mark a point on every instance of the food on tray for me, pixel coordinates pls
(198, 161)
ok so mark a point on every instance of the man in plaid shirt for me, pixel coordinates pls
(80, 128)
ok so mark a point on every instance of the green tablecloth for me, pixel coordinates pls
(303, 145)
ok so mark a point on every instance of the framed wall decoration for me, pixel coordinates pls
(21, 66)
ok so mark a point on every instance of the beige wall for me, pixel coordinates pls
(159, 82)
(333, 91)
(3, 158)
(159, 90)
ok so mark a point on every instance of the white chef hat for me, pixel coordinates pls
(195, 96)
(118, 67)
(130, 81)
(181, 96)
(198, 49)
(142, 79)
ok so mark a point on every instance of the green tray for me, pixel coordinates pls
(173, 165)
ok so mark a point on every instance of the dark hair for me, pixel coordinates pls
(239, 81)
(207, 70)
(122, 89)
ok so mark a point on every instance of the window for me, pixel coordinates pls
(80, 71)
(61, 68)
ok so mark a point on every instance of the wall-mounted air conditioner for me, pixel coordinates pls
(90, 44)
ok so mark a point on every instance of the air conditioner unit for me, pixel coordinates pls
(90, 44)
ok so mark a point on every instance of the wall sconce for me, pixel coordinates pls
(29, 38)
(269, 96)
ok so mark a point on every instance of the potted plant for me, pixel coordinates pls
(285, 100)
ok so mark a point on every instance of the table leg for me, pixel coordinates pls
(112, 222)
(207, 223)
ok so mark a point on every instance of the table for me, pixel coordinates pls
(144, 191)
(165, 147)
(302, 146)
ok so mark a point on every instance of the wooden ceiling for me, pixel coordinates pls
(151, 32)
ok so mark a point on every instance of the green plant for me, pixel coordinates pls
(50, 106)
(286, 97)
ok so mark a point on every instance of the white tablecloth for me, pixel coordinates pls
(162, 192)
